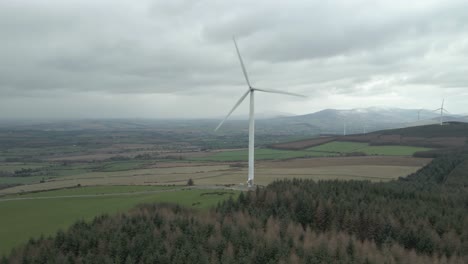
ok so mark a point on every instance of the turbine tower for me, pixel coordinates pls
(442, 110)
(250, 91)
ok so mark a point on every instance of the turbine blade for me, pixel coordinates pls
(443, 100)
(436, 109)
(278, 92)
(446, 111)
(232, 110)
(242, 63)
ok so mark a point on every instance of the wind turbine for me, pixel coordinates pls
(442, 110)
(250, 91)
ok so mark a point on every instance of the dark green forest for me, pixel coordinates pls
(422, 218)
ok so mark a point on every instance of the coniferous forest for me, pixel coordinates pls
(422, 218)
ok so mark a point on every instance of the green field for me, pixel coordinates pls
(348, 147)
(23, 219)
(261, 154)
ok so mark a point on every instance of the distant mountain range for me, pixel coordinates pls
(360, 120)
(328, 121)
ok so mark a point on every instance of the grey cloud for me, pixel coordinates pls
(358, 48)
(311, 29)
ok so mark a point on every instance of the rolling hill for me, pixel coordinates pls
(450, 135)
(360, 120)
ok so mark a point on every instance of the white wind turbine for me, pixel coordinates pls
(442, 110)
(250, 91)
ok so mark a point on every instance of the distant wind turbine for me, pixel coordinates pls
(250, 91)
(364, 127)
(442, 110)
(344, 128)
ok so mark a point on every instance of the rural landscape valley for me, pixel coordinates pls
(225, 132)
(50, 179)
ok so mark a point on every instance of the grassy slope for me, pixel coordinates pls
(22, 219)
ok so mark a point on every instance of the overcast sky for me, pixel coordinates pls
(156, 59)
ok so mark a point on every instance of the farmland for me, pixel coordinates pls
(367, 149)
(260, 154)
(329, 149)
(27, 172)
(212, 167)
(51, 214)
(62, 177)
(218, 173)
(429, 205)
(452, 134)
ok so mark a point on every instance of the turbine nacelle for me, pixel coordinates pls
(442, 111)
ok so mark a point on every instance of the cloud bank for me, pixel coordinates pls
(176, 58)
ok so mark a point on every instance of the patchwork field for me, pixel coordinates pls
(379, 168)
(210, 173)
(367, 149)
(58, 185)
(329, 149)
(450, 135)
(260, 154)
(52, 210)
(302, 144)
(32, 215)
